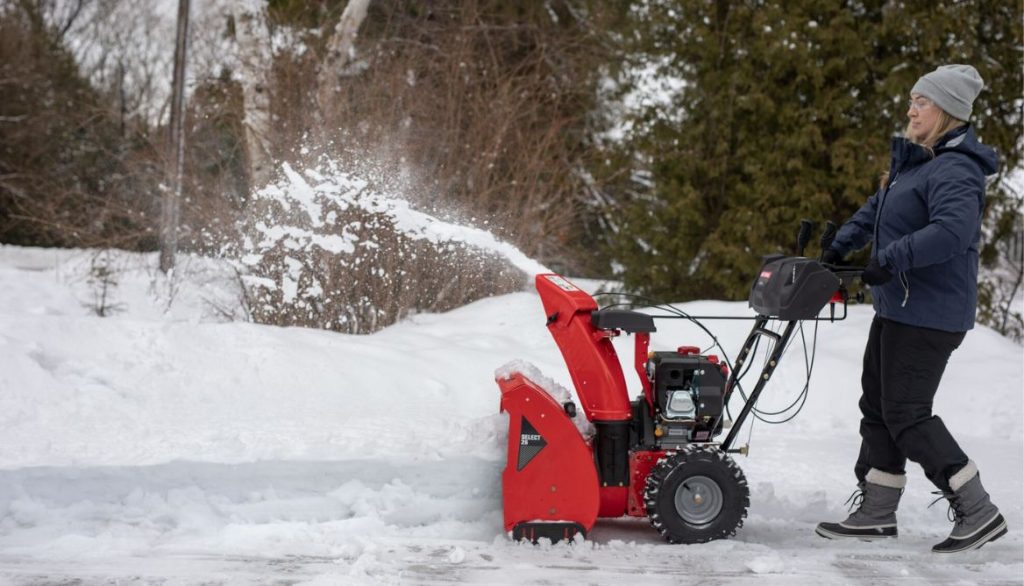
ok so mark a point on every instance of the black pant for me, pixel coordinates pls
(902, 368)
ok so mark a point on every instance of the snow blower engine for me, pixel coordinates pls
(656, 456)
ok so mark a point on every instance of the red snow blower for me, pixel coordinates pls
(657, 455)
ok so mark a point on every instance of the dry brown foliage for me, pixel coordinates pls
(73, 170)
(473, 109)
(484, 100)
(338, 260)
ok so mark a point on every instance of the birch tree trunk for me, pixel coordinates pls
(340, 52)
(252, 38)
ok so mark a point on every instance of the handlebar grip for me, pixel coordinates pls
(803, 236)
(828, 235)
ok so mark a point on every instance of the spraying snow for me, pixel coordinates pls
(326, 248)
(345, 190)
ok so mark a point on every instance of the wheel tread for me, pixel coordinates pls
(663, 470)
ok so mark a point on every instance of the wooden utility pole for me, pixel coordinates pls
(176, 147)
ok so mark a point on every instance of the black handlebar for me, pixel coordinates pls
(803, 236)
(828, 235)
(844, 270)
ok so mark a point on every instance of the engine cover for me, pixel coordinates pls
(689, 394)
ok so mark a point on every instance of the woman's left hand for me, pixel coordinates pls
(875, 274)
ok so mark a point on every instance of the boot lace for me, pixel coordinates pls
(855, 500)
(955, 512)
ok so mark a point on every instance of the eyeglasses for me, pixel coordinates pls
(919, 104)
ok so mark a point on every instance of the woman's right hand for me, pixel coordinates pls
(831, 257)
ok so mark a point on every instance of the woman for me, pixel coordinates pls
(925, 224)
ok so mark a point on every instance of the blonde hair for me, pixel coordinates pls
(945, 123)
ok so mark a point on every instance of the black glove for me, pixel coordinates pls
(875, 274)
(831, 257)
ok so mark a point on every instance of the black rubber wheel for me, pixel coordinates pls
(697, 495)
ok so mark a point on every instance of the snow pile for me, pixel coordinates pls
(160, 446)
(560, 394)
(324, 249)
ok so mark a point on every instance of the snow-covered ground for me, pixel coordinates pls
(166, 445)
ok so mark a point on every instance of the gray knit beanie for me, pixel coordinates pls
(952, 87)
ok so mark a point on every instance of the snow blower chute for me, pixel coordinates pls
(657, 455)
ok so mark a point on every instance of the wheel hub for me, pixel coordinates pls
(698, 500)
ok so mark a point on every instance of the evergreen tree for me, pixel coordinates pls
(786, 114)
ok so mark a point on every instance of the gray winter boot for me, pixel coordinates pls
(976, 521)
(875, 517)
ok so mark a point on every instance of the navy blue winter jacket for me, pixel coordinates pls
(925, 225)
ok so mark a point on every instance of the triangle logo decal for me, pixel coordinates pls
(530, 443)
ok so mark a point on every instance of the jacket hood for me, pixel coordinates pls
(963, 140)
